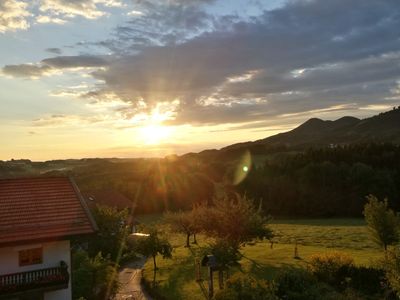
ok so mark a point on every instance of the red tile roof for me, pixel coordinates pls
(34, 209)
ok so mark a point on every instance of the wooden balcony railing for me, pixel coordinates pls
(46, 279)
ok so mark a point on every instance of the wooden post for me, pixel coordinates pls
(221, 279)
(210, 284)
(198, 270)
(296, 251)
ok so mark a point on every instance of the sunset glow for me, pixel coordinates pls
(199, 149)
(155, 134)
(117, 79)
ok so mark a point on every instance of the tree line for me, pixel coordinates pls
(316, 182)
(326, 182)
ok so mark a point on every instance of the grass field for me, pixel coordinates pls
(176, 276)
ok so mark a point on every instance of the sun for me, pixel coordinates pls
(153, 131)
(154, 134)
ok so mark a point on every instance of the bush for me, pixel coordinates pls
(297, 284)
(393, 270)
(367, 280)
(338, 270)
(93, 278)
(302, 284)
(242, 286)
(332, 268)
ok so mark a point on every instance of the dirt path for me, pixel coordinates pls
(130, 277)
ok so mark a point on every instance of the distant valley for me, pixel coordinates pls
(330, 166)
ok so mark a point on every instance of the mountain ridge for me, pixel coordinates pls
(315, 132)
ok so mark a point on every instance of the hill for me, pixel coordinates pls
(315, 132)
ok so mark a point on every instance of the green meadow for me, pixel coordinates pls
(176, 277)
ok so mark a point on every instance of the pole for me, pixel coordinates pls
(210, 284)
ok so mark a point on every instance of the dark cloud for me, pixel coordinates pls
(57, 51)
(51, 65)
(159, 22)
(306, 55)
(319, 55)
(26, 70)
(84, 61)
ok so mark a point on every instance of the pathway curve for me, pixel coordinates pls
(130, 278)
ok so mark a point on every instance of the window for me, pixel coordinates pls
(30, 257)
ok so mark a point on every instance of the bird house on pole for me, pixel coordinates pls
(211, 262)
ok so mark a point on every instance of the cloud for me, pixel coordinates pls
(27, 70)
(61, 120)
(320, 56)
(13, 15)
(89, 9)
(54, 65)
(46, 19)
(306, 55)
(159, 22)
(57, 51)
(78, 61)
(134, 13)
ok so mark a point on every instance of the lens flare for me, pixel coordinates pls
(243, 168)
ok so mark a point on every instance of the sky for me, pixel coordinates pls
(145, 78)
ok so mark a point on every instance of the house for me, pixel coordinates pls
(38, 217)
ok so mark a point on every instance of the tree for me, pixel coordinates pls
(393, 270)
(382, 222)
(227, 256)
(182, 222)
(153, 245)
(93, 278)
(232, 222)
(235, 220)
(112, 234)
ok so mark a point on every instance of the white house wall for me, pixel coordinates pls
(53, 253)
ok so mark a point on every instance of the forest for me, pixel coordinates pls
(326, 182)
(316, 182)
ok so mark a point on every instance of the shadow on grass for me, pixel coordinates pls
(321, 222)
(203, 289)
(265, 271)
(182, 272)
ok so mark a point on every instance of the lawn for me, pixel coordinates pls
(176, 276)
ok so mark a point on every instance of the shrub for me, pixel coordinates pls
(93, 278)
(393, 270)
(366, 280)
(242, 286)
(332, 268)
(299, 284)
(294, 279)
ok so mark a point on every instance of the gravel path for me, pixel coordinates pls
(130, 277)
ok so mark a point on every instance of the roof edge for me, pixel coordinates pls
(83, 204)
